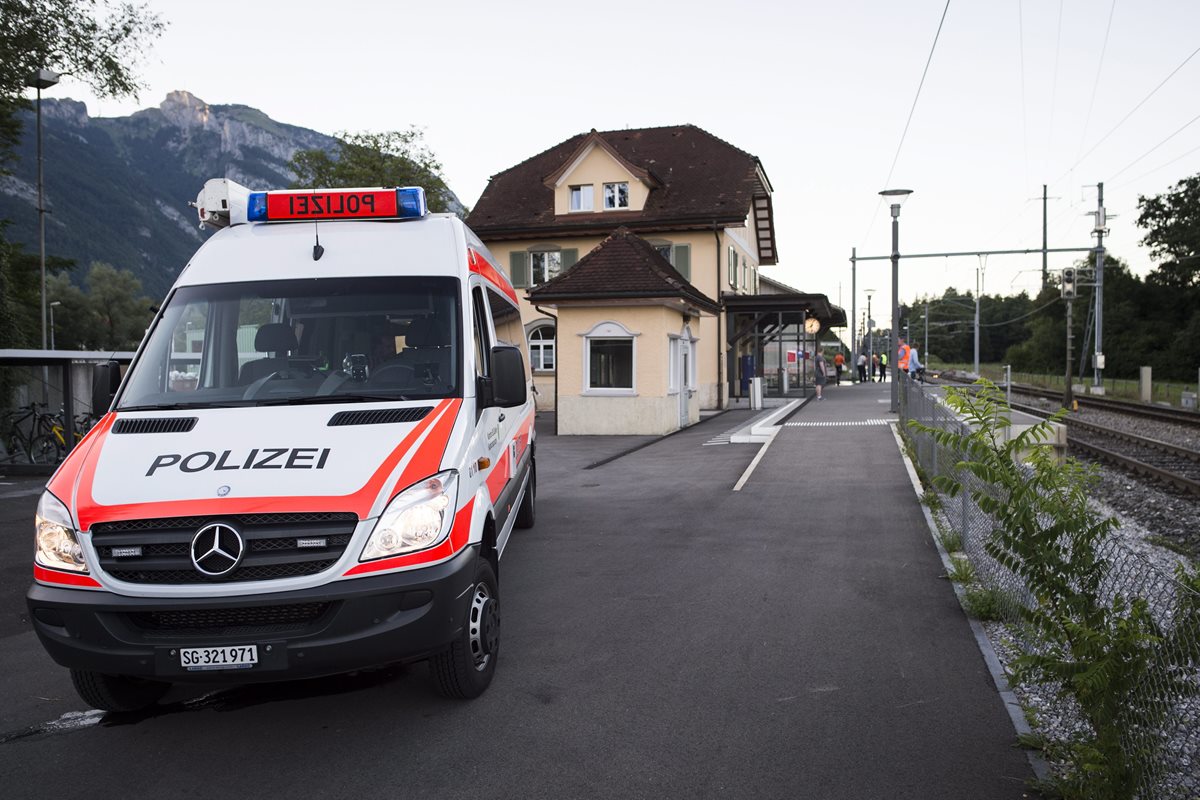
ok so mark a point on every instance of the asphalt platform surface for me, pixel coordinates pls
(664, 636)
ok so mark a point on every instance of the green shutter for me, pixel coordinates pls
(569, 256)
(518, 264)
(683, 260)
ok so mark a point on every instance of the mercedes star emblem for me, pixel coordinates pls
(217, 549)
(222, 491)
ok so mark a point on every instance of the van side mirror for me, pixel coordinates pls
(508, 385)
(106, 379)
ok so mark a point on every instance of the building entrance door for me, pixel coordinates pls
(685, 353)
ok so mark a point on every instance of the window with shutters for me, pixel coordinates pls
(543, 266)
(616, 195)
(541, 348)
(680, 255)
(581, 198)
(732, 263)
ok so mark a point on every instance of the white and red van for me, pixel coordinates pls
(312, 465)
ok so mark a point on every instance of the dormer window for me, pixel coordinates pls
(581, 198)
(616, 195)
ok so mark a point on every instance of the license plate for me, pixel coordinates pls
(206, 658)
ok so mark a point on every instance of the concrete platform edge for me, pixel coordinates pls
(1041, 769)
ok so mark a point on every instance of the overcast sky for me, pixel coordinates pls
(1018, 94)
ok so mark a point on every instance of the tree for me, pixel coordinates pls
(21, 293)
(391, 158)
(95, 41)
(1172, 224)
(121, 313)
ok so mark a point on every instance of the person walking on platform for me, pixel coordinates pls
(902, 354)
(862, 367)
(883, 359)
(839, 364)
(916, 370)
(874, 367)
(819, 372)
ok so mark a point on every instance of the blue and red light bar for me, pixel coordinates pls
(404, 203)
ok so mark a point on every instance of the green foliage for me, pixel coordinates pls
(960, 570)
(988, 603)
(1172, 224)
(391, 158)
(951, 540)
(94, 41)
(1098, 648)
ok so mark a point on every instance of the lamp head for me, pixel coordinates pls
(42, 79)
(896, 198)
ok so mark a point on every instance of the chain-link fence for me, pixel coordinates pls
(1166, 700)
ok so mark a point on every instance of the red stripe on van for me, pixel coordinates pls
(428, 458)
(44, 575)
(500, 473)
(89, 512)
(481, 266)
(460, 534)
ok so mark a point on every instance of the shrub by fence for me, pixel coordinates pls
(1113, 637)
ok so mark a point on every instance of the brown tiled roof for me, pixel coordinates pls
(622, 266)
(703, 180)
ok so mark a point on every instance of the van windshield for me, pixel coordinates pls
(330, 340)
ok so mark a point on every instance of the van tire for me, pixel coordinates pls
(526, 512)
(464, 669)
(116, 692)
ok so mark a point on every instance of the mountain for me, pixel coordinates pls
(118, 188)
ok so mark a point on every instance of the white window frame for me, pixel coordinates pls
(547, 253)
(674, 353)
(586, 191)
(542, 346)
(608, 330)
(616, 197)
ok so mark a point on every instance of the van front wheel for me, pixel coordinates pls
(116, 692)
(465, 668)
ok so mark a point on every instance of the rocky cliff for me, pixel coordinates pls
(118, 187)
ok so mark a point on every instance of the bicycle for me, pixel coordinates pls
(30, 437)
(83, 424)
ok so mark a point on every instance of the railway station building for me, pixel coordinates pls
(639, 254)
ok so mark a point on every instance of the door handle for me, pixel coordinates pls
(501, 416)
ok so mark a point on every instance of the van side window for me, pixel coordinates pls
(507, 320)
(483, 352)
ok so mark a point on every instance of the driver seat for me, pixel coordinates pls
(274, 337)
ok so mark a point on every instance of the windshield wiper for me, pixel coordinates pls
(335, 398)
(181, 405)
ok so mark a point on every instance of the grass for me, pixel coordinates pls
(987, 604)
(960, 570)
(951, 540)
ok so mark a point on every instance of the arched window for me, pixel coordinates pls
(541, 348)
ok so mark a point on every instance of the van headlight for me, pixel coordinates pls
(419, 517)
(57, 545)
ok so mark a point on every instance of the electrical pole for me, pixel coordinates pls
(1067, 398)
(925, 352)
(1045, 244)
(853, 308)
(1098, 362)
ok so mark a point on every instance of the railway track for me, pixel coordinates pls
(1141, 455)
(1161, 413)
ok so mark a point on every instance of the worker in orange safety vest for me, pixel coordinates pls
(902, 354)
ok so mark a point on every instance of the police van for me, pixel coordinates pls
(312, 466)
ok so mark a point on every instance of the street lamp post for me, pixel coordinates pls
(870, 330)
(896, 198)
(42, 79)
(52, 305)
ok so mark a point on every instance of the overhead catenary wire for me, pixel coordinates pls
(1128, 114)
(908, 122)
(1096, 83)
(1185, 126)
(1156, 169)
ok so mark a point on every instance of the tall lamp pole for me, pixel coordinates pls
(896, 198)
(42, 79)
(870, 331)
(52, 305)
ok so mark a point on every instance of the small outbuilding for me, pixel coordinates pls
(631, 316)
